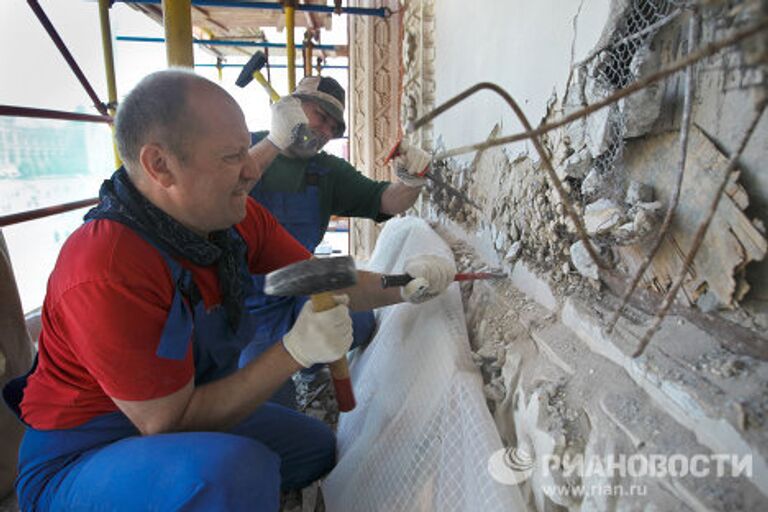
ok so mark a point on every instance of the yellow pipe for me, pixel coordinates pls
(290, 14)
(177, 21)
(109, 68)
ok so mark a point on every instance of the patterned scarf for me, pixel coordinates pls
(120, 201)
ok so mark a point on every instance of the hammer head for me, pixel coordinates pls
(312, 276)
(255, 63)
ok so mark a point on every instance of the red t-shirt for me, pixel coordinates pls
(105, 308)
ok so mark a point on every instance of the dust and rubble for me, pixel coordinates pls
(553, 394)
(315, 398)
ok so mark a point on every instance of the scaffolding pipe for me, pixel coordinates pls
(381, 12)
(219, 42)
(48, 26)
(177, 21)
(42, 113)
(290, 26)
(109, 69)
(16, 218)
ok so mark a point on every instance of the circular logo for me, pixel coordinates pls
(510, 466)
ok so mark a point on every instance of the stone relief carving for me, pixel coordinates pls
(374, 103)
(418, 95)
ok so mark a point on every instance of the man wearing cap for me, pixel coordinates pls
(304, 186)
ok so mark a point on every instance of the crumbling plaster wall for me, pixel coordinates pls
(533, 54)
(526, 47)
(556, 380)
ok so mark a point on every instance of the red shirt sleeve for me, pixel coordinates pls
(114, 322)
(270, 246)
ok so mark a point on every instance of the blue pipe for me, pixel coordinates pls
(381, 12)
(218, 42)
(279, 66)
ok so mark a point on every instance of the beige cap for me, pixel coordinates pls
(327, 93)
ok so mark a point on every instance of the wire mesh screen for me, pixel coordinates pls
(633, 32)
(421, 435)
(612, 67)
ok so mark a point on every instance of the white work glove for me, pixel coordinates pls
(320, 337)
(288, 120)
(410, 164)
(431, 276)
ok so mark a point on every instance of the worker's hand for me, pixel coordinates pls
(410, 164)
(288, 122)
(320, 337)
(431, 276)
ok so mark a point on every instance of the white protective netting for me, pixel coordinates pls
(421, 434)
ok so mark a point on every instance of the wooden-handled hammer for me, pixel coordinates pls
(318, 278)
(251, 70)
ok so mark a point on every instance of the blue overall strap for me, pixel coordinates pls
(298, 212)
(180, 324)
(217, 348)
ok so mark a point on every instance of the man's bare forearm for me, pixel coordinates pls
(263, 153)
(398, 197)
(218, 405)
(223, 404)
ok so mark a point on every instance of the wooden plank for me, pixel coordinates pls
(243, 24)
(731, 241)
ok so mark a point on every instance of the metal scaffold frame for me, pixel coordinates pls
(179, 44)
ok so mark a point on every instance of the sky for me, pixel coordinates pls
(34, 73)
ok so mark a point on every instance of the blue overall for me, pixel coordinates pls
(105, 464)
(299, 214)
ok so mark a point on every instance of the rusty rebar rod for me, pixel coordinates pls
(705, 51)
(685, 127)
(580, 230)
(700, 233)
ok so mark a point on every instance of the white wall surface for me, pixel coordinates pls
(525, 47)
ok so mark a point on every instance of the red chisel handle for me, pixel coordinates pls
(391, 280)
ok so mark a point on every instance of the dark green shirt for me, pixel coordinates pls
(342, 191)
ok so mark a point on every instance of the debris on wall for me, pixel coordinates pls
(558, 386)
(618, 173)
(716, 278)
